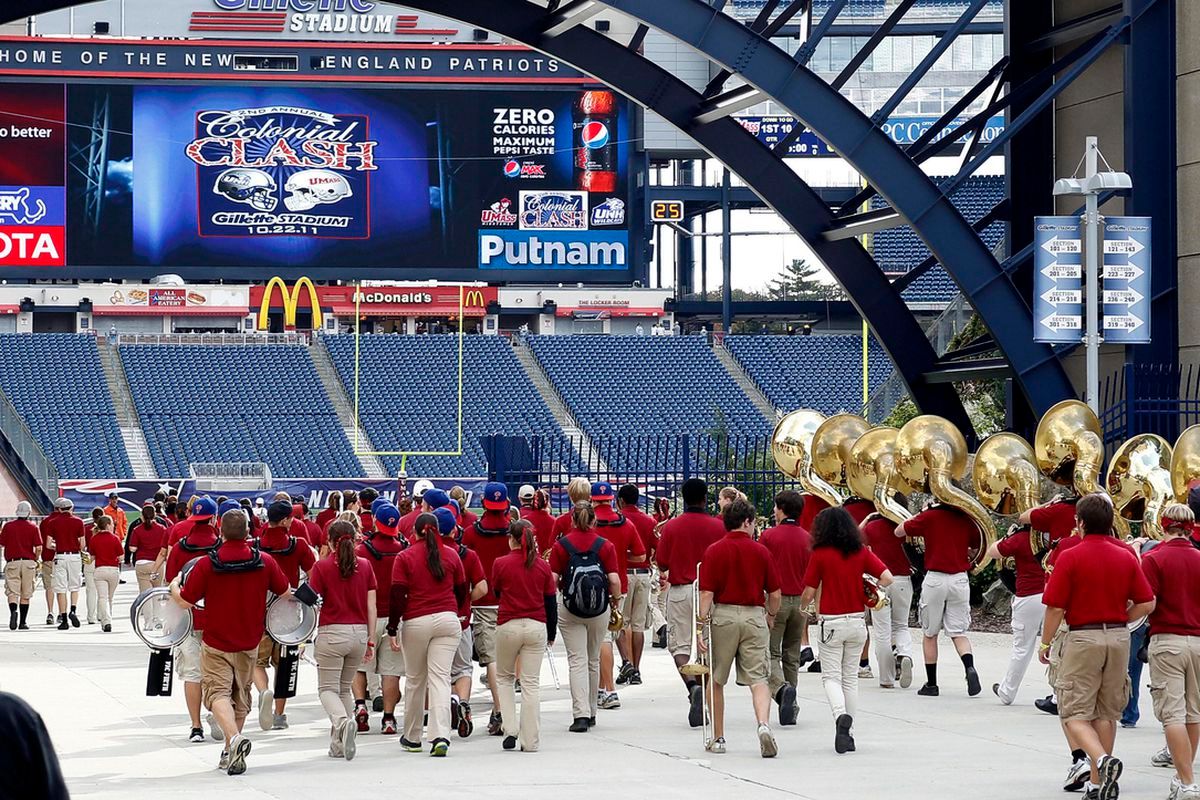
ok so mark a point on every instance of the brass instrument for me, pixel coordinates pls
(1069, 446)
(699, 664)
(791, 447)
(1005, 476)
(871, 471)
(875, 597)
(616, 620)
(1139, 481)
(930, 454)
(1185, 462)
(831, 445)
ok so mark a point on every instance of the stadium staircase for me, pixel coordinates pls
(570, 427)
(344, 406)
(745, 382)
(127, 417)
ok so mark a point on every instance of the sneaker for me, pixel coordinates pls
(766, 742)
(49, 619)
(440, 748)
(1091, 793)
(579, 725)
(973, 687)
(591, 722)
(346, 733)
(814, 667)
(214, 729)
(843, 742)
(1046, 704)
(696, 712)
(635, 678)
(1125, 723)
(1110, 768)
(495, 726)
(266, 710)
(388, 726)
(62, 622)
(610, 701)
(1188, 791)
(660, 638)
(239, 748)
(91, 622)
(24, 626)
(806, 655)
(12, 620)
(906, 666)
(454, 701)
(196, 736)
(1174, 788)
(789, 712)
(223, 764)
(1077, 775)
(75, 620)
(410, 747)
(107, 628)
(929, 690)
(865, 672)
(362, 719)
(377, 704)
(465, 725)
(280, 723)
(622, 676)
(509, 743)
(717, 746)
(1162, 759)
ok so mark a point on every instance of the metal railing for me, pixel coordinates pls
(1149, 398)
(21, 439)
(296, 337)
(256, 470)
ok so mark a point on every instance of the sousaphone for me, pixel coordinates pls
(1006, 477)
(791, 447)
(831, 445)
(1139, 481)
(1185, 462)
(871, 471)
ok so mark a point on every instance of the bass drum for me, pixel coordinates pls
(158, 620)
(290, 622)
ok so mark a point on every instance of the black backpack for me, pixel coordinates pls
(585, 584)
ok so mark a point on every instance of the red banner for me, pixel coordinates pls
(32, 245)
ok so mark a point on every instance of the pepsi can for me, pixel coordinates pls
(595, 131)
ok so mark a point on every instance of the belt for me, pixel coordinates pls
(15, 560)
(1099, 626)
(638, 570)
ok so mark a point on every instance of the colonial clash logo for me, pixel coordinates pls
(283, 171)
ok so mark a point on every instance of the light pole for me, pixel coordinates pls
(1091, 185)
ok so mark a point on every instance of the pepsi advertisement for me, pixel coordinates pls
(241, 181)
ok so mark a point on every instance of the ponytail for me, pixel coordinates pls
(342, 534)
(427, 527)
(521, 532)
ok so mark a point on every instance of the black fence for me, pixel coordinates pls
(1150, 398)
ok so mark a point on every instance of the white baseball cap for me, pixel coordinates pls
(24, 509)
(421, 487)
(525, 491)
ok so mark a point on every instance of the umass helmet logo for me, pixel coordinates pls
(595, 135)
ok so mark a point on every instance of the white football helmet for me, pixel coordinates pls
(312, 187)
(250, 186)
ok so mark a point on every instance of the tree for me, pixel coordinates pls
(799, 281)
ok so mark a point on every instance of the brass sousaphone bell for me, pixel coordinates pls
(1069, 446)
(791, 447)
(1139, 481)
(1185, 462)
(831, 446)
(1005, 476)
(871, 471)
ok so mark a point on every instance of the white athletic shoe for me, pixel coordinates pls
(1189, 791)
(214, 729)
(1162, 759)
(266, 710)
(865, 672)
(766, 742)
(1078, 775)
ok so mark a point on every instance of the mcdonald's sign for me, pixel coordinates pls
(474, 299)
(290, 299)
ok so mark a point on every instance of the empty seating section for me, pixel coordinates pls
(854, 9)
(820, 372)
(201, 403)
(408, 398)
(621, 386)
(56, 383)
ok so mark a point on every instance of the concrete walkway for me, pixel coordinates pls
(115, 742)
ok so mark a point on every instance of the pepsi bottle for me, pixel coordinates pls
(595, 130)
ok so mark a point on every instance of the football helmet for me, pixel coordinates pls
(250, 186)
(312, 187)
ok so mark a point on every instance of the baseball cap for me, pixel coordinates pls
(24, 509)
(259, 501)
(387, 517)
(229, 505)
(279, 511)
(446, 521)
(421, 487)
(525, 492)
(204, 508)
(436, 498)
(113, 496)
(602, 491)
(63, 503)
(495, 496)
(378, 503)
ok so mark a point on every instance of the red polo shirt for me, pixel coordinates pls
(1031, 578)
(738, 571)
(625, 538)
(881, 537)
(948, 533)
(859, 509)
(840, 578)
(314, 533)
(1056, 519)
(522, 591)
(791, 547)
(388, 548)
(543, 526)
(582, 541)
(1094, 580)
(645, 525)
(182, 529)
(147, 542)
(473, 567)
(405, 526)
(299, 556)
(467, 517)
(813, 505)
(19, 537)
(235, 603)
(64, 529)
(344, 599)
(1173, 571)
(562, 526)
(488, 537)
(325, 517)
(107, 549)
(427, 595)
(683, 541)
(203, 537)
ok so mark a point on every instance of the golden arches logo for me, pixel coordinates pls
(290, 300)
(474, 298)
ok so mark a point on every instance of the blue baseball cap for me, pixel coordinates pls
(387, 517)
(436, 498)
(229, 505)
(378, 503)
(204, 508)
(602, 491)
(446, 521)
(495, 497)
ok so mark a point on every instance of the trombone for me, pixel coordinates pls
(699, 664)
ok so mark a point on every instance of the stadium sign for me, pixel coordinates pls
(370, 299)
(553, 249)
(290, 299)
(771, 130)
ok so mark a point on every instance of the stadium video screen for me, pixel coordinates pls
(199, 179)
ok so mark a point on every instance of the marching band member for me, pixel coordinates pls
(946, 591)
(839, 561)
(90, 594)
(477, 587)
(233, 583)
(107, 552)
(658, 592)
(458, 494)
(62, 533)
(1173, 570)
(636, 610)
(429, 585)
(1057, 519)
(366, 518)
(579, 490)
(681, 546)
(419, 507)
(738, 581)
(488, 537)
(146, 541)
(1027, 609)
(380, 549)
(893, 641)
(583, 565)
(1097, 587)
(534, 503)
(332, 509)
(790, 547)
(613, 526)
(346, 584)
(526, 621)
(21, 545)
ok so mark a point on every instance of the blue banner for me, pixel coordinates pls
(1058, 280)
(902, 130)
(1127, 260)
(557, 249)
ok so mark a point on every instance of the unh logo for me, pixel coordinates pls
(14, 206)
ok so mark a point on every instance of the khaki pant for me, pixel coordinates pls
(1093, 676)
(187, 658)
(521, 641)
(892, 636)
(90, 595)
(841, 641)
(681, 620)
(429, 645)
(483, 628)
(20, 575)
(227, 676)
(739, 633)
(67, 573)
(340, 650)
(143, 570)
(582, 639)
(785, 642)
(1174, 678)
(658, 603)
(945, 604)
(636, 604)
(105, 580)
(385, 661)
